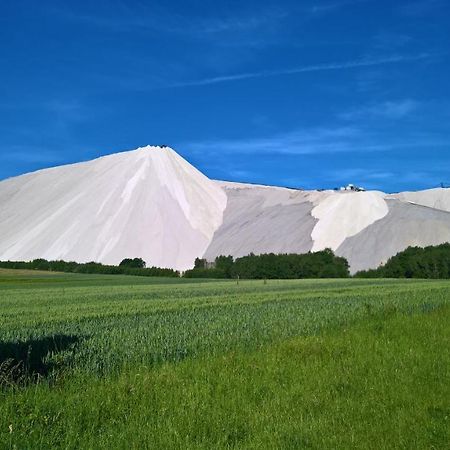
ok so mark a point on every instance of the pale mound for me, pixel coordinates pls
(405, 225)
(433, 198)
(148, 203)
(345, 214)
(262, 219)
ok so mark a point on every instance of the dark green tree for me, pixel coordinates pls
(200, 263)
(135, 263)
(225, 263)
(415, 262)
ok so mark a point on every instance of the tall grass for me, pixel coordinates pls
(286, 364)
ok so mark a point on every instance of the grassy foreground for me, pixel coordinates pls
(124, 362)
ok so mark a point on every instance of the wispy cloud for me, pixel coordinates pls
(321, 140)
(140, 17)
(124, 17)
(376, 178)
(29, 154)
(318, 141)
(364, 62)
(420, 8)
(388, 40)
(389, 110)
(358, 174)
(329, 7)
(241, 174)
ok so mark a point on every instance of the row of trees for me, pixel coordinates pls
(134, 266)
(323, 264)
(415, 262)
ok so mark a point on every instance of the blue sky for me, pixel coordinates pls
(309, 94)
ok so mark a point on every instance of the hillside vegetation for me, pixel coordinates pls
(323, 264)
(128, 266)
(415, 262)
(431, 262)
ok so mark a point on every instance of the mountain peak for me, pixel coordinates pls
(148, 203)
(153, 148)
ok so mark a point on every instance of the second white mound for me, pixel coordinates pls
(432, 198)
(344, 215)
(147, 203)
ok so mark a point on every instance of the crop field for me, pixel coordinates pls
(95, 361)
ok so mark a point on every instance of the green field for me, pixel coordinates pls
(135, 362)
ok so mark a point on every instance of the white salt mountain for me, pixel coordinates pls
(147, 203)
(151, 203)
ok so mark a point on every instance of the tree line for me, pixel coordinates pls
(128, 266)
(323, 264)
(414, 262)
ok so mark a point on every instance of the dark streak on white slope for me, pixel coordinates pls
(264, 220)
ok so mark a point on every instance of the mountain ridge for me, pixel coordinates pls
(152, 203)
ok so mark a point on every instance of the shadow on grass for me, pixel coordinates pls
(29, 361)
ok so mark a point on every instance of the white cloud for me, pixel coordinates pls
(364, 62)
(140, 17)
(389, 110)
(302, 142)
(318, 141)
(325, 8)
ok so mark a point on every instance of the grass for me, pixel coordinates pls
(121, 362)
(17, 278)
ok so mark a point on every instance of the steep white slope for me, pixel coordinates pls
(405, 225)
(147, 203)
(343, 215)
(263, 219)
(433, 198)
(365, 227)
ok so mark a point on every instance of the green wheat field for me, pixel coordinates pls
(106, 362)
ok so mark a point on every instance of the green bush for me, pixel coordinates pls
(205, 273)
(135, 263)
(322, 264)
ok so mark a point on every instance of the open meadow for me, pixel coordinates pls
(98, 361)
